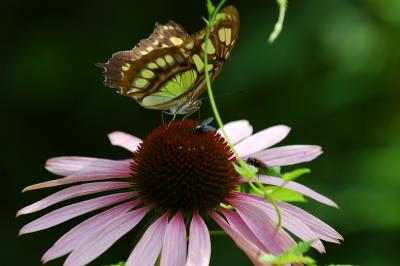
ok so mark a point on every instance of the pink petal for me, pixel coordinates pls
(79, 233)
(288, 155)
(97, 243)
(262, 140)
(63, 214)
(199, 243)
(85, 166)
(147, 250)
(259, 222)
(251, 250)
(290, 222)
(240, 226)
(174, 246)
(67, 165)
(106, 169)
(72, 192)
(124, 140)
(321, 229)
(276, 181)
(237, 130)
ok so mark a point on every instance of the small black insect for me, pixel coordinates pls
(204, 126)
(256, 162)
(262, 167)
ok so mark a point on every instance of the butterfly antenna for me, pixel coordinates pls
(203, 98)
(100, 65)
(222, 94)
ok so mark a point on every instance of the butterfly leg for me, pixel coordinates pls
(173, 118)
(162, 117)
(192, 112)
(199, 114)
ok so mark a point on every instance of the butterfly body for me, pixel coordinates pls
(166, 71)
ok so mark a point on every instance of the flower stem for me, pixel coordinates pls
(279, 24)
(249, 174)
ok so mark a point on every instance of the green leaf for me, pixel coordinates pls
(274, 171)
(210, 7)
(286, 259)
(229, 207)
(255, 192)
(292, 255)
(300, 247)
(281, 194)
(246, 172)
(287, 195)
(121, 263)
(217, 233)
(341, 265)
(289, 176)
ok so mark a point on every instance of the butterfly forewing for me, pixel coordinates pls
(222, 39)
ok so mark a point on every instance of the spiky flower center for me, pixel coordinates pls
(179, 168)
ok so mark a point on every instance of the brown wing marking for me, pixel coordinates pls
(121, 63)
(223, 38)
(168, 51)
(138, 78)
(168, 35)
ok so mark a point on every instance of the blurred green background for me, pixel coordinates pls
(333, 76)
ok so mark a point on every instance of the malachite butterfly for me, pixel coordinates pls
(166, 71)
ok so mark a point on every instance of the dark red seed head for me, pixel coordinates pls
(178, 168)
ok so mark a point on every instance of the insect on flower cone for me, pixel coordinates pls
(177, 174)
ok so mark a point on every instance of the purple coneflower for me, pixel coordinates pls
(181, 176)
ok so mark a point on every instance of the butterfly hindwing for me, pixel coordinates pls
(155, 80)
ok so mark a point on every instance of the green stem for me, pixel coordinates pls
(279, 24)
(214, 108)
(250, 176)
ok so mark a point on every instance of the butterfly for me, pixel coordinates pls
(204, 126)
(166, 71)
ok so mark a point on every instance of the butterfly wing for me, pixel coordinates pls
(155, 73)
(166, 70)
(168, 35)
(222, 39)
(158, 80)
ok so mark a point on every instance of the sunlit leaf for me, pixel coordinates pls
(300, 247)
(285, 259)
(290, 176)
(287, 195)
(210, 7)
(341, 265)
(274, 171)
(245, 171)
(292, 255)
(121, 263)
